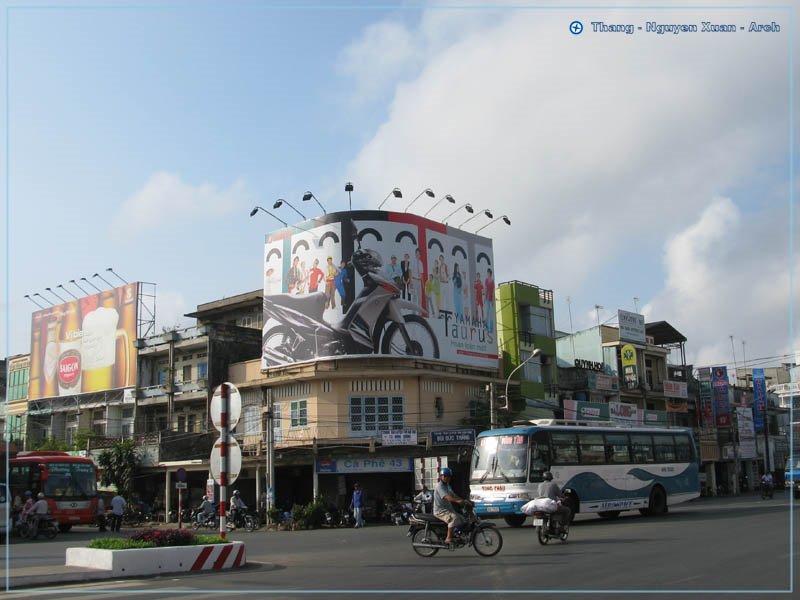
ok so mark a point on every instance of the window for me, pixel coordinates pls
(299, 411)
(593, 451)
(161, 423)
(683, 449)
(127, 431)
(642, 448)
(369, 415)
(250, 417)
(181, 423)
(202, 370)
(565, 448)
(276, 422)
(617, 450)
(537, 320)
(532, 370)
(191, 423)
(187, 372)
(127, 413)
(664, 448)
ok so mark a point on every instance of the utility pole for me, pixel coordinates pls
(270, 480)
(492, 421)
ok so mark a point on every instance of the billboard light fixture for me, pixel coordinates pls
(348, 187)
(447, 197)
(73, 282)
(505, 219)
(91, 284)
(54, 294)
(281, 201)
(426, 191)
(485, 211)
(395, 192)
(104, 280)
(258, 208)
(28, 296)
(467, 207)
(50, 302)
(308, 196)
(110, 270)
(61, 285)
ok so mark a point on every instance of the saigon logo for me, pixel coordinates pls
(69, 368)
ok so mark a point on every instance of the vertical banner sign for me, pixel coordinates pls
(705, 408)
(759, 398)
(719, 392)
(629, 372)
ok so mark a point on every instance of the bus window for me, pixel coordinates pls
(540, 456)
(642, 447)
(617, 448)
(592, 448)
(565, 448)
(664, 447)
(683, 449)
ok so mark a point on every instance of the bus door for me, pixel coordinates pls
(541, 457)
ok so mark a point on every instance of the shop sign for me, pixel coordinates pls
(631, 326)
(629, 371)
(675, 389)
(721, 396)
(600, 382)
(399, 437)
(365, 465)
(585, 411)
(747, 435)
(453, 437)
(622, 412)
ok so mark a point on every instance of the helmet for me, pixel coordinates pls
(41, 496)
(548, 476)
(235, 492)
(28, 493)
(446, 472)
(205, 498)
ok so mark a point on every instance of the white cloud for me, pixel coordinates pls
(604, 150)
(165, 199)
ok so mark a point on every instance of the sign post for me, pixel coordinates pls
(180, 485)
(226, 407)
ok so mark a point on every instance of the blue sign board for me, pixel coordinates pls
(759, 398)
(453, 437)
(365, 465)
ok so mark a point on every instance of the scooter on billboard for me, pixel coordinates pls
(373, 324)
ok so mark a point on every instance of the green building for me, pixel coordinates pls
(525, 322)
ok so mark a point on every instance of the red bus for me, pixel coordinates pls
(69, 484)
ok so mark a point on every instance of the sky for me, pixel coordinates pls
(640, 171)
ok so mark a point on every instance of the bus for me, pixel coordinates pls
(69, 484)
(601, 467)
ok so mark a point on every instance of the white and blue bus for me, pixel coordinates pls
(601, 468)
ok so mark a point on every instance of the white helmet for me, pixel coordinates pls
(205, 498)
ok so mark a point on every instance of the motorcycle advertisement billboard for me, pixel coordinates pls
(85, 345)
(382, 283)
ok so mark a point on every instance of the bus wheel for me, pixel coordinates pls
(608, 514)
(515, 520)
(64, 527)
(658, 502)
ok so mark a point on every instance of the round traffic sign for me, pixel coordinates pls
(234, 406)
(180, 474)
(234, 460)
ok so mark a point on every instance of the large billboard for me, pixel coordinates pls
(382, 283)
(86, 345)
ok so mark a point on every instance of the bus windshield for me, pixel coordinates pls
(70, 481)
(501, 458)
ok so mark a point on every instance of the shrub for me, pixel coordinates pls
(119, 544)
(299, 516)
(309, 516)
(209, 539)
(164, 537)
(275, 514)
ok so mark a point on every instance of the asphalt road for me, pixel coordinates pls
(716, 548)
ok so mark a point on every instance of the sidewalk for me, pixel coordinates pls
(44, 576)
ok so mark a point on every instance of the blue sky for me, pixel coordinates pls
(647, 166)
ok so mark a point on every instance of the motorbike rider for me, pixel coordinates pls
(766, 482)
(443, 499)
(38, 514)
(424, 499)
(205, 510)
(238, 506)
(549, 489)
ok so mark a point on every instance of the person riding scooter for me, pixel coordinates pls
(549, 489)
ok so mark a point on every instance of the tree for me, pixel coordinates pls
(118, 465)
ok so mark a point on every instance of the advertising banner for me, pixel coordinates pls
(675, 389)
(677, 405)
(631, 326)
(365, 465)
(453, 437)
(629, 371)
(759, 398)
(623, 412)
(654, 418)
(578, 410)
(719, 392)
(706, 405)
(747, 434)
(374, 282)
(85, 345)
(399, 437)
(601, 382)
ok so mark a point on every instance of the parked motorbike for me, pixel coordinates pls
(373, 323)
(201, 519)
(428, 533)
(548, 528)
(346, 519)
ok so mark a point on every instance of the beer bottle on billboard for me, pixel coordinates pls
(127, 323)
(51, 360)
(70, 363)
(35, 375)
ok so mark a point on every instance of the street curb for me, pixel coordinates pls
(57, 579)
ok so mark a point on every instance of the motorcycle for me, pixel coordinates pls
(201, 519)
(373, 323)
(766, 490)
(428, 533)
(547, 527)
(47, 526)
(346, 519)
(243, 519)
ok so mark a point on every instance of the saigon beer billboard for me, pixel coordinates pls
(381, 283)
(85, 345)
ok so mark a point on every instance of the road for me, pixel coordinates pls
(714, 547)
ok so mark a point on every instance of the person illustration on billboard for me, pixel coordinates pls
(429, 296)
(301, 285)
(405, 271)
(315, 275)
(269, 281)
(444, 283)
(341, 282)
(458, 298)
(330, 277)
(437, 289)
(293, 280)
(489, 285)
(478, 285)
(393, 272)
(417, 277)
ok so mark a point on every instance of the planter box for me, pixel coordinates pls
(154, 561)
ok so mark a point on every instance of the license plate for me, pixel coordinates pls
(538, 522)
(493, 509)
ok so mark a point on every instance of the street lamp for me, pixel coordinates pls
(536, 352)
(395, 192)
(348, 187)
(506, 220)
(308, 196)
(280, 201)
(427, 191)
(467, 207)
(447, 197)
(258, 208)
(485, 211)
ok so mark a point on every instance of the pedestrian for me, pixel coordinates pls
(101, 514)
(118, 505)
(357, 504)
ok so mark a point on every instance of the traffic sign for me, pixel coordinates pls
(180, 474)
(234, 460)
(180, 485)
(234, 406)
